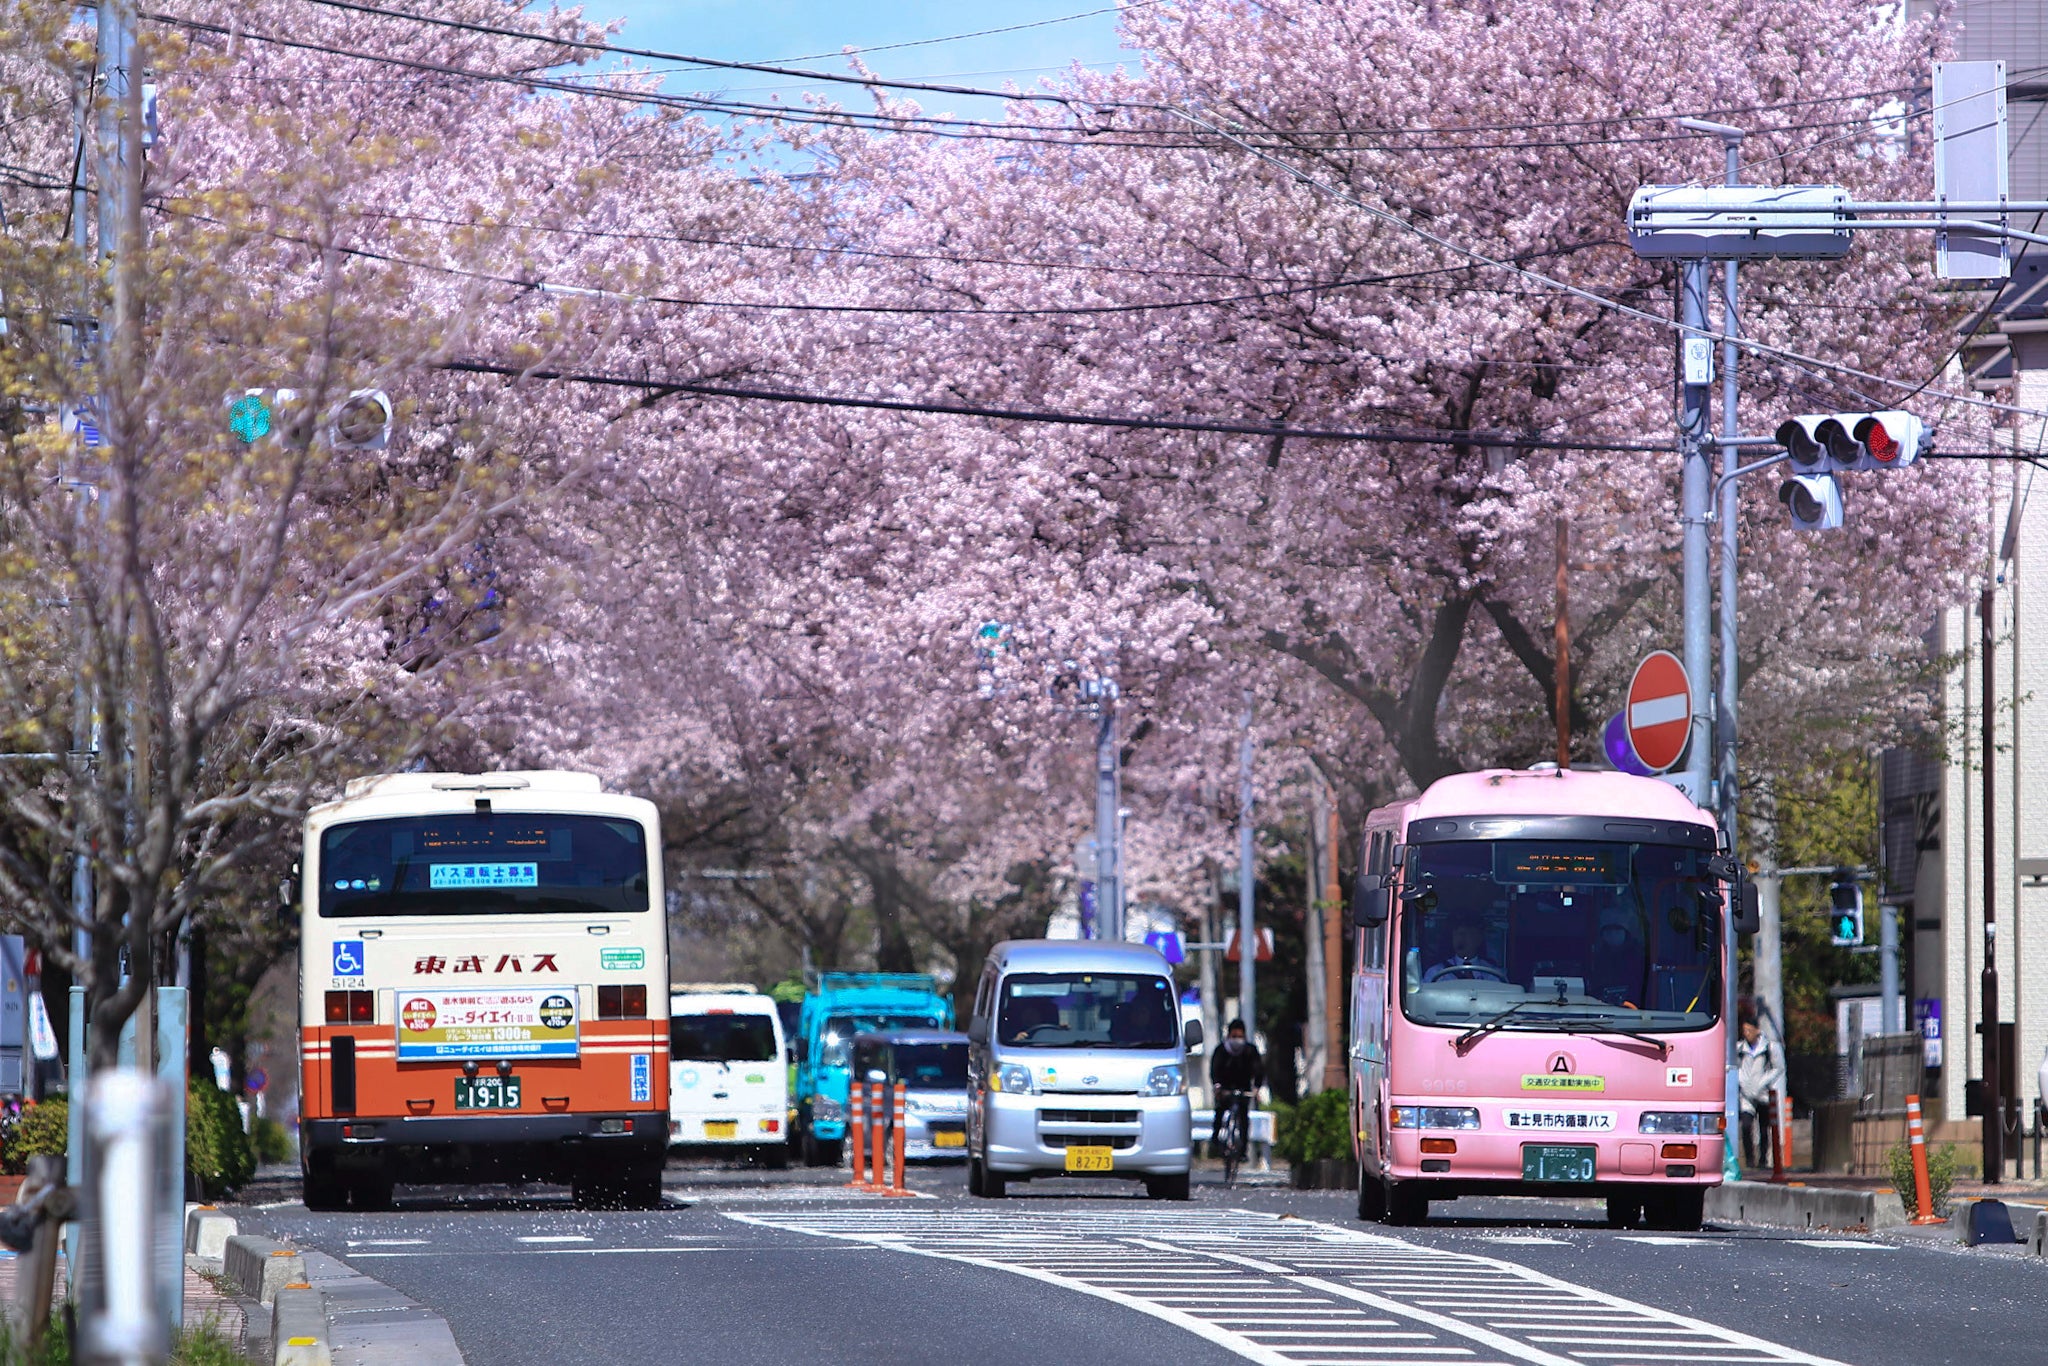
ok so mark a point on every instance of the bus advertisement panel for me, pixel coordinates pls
(483, 988)
(1539, 998)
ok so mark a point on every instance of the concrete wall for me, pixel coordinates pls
(1951, 885)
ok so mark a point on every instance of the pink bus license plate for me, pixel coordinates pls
(1557, 1162)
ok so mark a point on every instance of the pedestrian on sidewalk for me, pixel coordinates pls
(1760, 1074)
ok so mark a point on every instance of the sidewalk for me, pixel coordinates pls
(203, 1299)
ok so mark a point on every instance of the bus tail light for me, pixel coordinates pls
(622, 1002)
(351, 1007)
(1450, 1145)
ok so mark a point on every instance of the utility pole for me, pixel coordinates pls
(1109, 834)
(1335, 1072)
(1564, 643)
(1247, 939)
(1994, 1099)
(1695, 384)
(1768, 951)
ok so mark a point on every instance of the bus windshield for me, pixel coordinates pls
(1560, 935)
(483, 864)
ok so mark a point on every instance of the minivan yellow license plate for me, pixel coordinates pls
(721, 1128)
(1089, 1159)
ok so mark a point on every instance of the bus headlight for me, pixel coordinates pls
(1683, 1122)
(1433, 1117)
(1167, 1080)
(1015, 1078)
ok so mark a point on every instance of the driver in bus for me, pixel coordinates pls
(1467, 961)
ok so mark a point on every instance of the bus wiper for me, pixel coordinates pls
(1597, 1027)
(1463, 1043)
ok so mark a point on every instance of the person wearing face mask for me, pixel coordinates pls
(1616, 976)
(1236, 1071)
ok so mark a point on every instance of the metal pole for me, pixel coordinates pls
(1247, 939)
(1725, 787)
(1109, 835)
(171, 1069)
(1888, 967)
(1768, 950)
(1334, 1071)
(1564, 643)
(1994, 1100)
(1698, 479)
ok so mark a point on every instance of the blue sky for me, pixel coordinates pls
(779, 30)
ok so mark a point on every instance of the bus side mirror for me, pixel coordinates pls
(1369, 903)
(1748, 918)
(977, 1031)
(1191, 1035)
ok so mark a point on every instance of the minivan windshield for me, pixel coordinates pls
(932, 1066)
(1086, 1010)
(721, 1038)
(1561, 935)
(836, 1048)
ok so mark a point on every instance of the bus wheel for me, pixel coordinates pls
(1624, 1211)
(1677, 1211)
(1406, 1204)
(372, 1189)
(1372, 1198)
(323, 1190)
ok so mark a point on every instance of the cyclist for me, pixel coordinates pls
(1235, 1071)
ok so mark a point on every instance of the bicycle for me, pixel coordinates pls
(1230, 1131)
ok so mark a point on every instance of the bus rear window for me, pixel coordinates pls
(504, 863)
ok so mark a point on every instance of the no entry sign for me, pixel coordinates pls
(1659, 710)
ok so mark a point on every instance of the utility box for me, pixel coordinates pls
(13, 1015)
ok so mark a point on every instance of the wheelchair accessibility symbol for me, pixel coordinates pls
(348, 958)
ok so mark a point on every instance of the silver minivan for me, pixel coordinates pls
(1078, 1066)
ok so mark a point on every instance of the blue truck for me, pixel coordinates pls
(839, 1006)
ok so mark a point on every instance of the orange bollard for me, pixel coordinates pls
(1923, 1194)
(1785, 1126)
(856, 1117)
(877, 1178)
(1777, 1137)
(896, 1186)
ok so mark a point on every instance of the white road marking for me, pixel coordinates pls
(1298, 1291)
(387, 1242)
(1842, 1242)
(556, 1238)
(1659, 1240)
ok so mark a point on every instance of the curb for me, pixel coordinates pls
(323, 1312)
(1803, 1207)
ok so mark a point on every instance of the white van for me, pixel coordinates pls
(728, 1079)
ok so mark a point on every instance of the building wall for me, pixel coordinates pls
(1952, 956)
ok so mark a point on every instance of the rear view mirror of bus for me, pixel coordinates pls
(1748, 918)
(1369, 906)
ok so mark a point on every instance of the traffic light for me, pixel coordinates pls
(255, 413)
(1813, 500)
(362, 421)
(1831, 443)
(1846, 914)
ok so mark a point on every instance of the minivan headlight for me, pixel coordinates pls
(1165, 1080)
(1683, 1122)
(1433, 1117)
(1015, 1078)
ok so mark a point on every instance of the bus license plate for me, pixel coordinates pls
(721, 1128)
(487, 1093)
(948, 1138)
(1089, 1159)
(1557, 1162)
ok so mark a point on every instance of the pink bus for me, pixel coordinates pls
(1538, 1002)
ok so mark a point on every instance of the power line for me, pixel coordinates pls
(704, 389)
(959, 37)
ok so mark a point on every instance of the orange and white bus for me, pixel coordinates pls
(483, 985)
